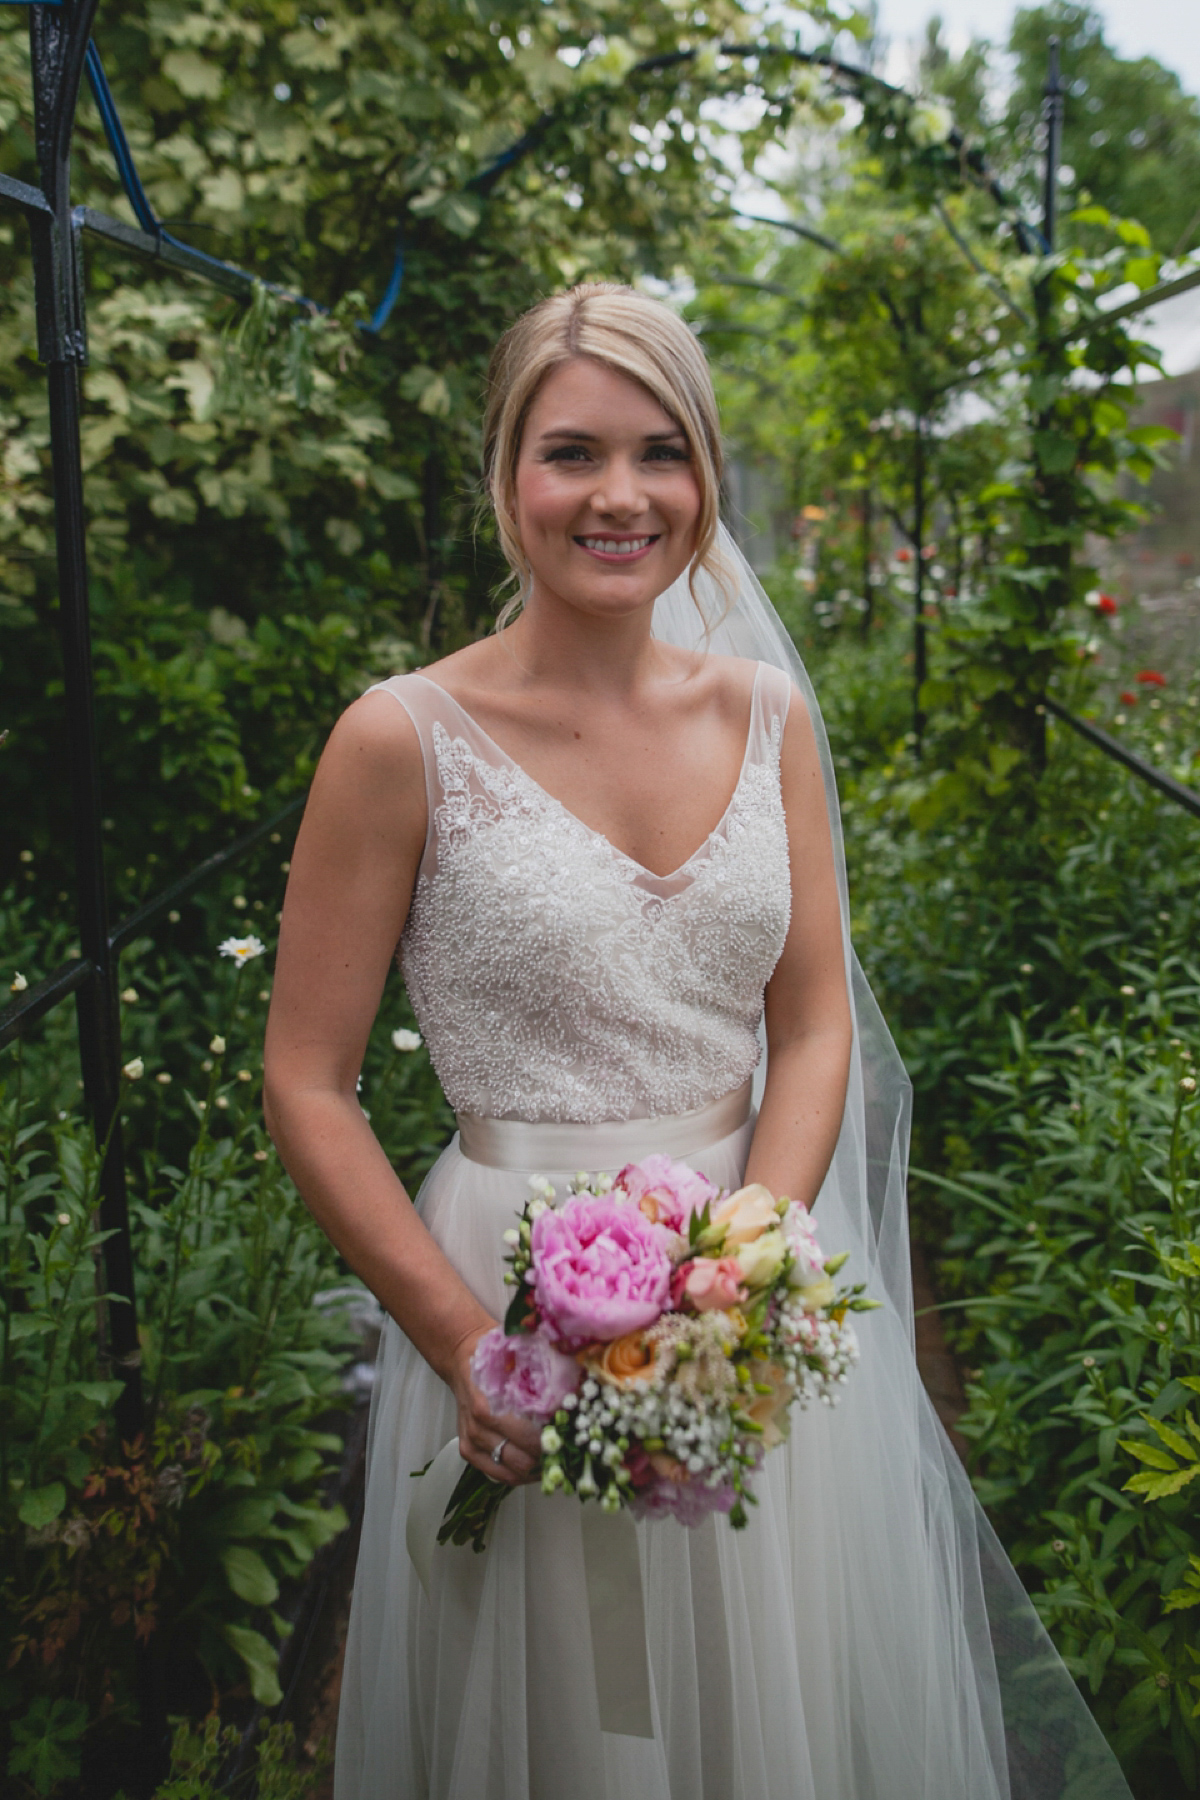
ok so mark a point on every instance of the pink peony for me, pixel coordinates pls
(523, 1374)
(666, 1192)
(713, 1284)
(600, 1270)
(689, 1502)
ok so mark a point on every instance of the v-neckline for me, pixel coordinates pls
(601, 836)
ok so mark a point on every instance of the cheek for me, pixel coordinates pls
(541, 501)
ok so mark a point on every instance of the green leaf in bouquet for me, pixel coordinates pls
(520, 1308)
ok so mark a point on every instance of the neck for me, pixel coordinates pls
(563, 646)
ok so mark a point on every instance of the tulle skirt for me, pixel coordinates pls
(864, 1638)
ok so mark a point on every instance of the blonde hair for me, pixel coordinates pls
(624, 330)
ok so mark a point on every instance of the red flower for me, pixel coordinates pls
(1150, 678)
(1128, 699)
(904, 554)
(1106, 604)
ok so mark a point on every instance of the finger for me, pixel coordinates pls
(481, 1458)
(526, 1434)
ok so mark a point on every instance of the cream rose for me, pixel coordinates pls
(745, 1215)
(816, 1294)
(761, 1260)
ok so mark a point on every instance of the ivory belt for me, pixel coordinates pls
(541, 1146)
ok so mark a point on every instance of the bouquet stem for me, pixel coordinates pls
(471, 1509)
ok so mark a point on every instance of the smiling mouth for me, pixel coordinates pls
(610, 546)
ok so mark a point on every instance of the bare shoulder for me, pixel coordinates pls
(372, 764)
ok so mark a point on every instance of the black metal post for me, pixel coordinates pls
(58, 44)
(1053, 117)
(920, 660)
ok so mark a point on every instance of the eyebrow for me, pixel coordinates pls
(591, 437)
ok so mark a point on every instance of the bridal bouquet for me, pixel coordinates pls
(659, 1330)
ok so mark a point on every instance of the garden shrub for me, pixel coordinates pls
(1040, 971)
(187, 1539)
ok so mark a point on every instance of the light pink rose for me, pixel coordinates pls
(666, 1192)
(714, 1283)
(600, 1269)
(524, 1373)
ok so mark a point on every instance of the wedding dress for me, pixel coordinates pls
(864, 1638)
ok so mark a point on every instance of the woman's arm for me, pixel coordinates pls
(351, 882)
(808, 1020)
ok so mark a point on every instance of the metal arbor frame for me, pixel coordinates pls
(61, 51)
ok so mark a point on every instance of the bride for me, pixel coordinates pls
(605, 840)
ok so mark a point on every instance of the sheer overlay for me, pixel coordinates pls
(865, 1638)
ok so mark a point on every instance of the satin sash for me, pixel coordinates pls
(540, 1146)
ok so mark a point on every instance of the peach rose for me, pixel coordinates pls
(767, 1409)
(668, 1467)
(745, 1214)
(627, 1362)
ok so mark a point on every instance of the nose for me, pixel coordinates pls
(620, 491)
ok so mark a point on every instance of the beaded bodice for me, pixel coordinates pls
(554, 977)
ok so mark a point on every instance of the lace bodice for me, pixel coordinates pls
(554, 977)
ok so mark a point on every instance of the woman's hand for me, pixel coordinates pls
(479, 1430)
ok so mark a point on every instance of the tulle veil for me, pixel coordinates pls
(1011, 1721)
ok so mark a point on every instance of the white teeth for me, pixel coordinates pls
(615, 547)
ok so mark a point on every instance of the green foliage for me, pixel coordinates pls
(280, 503)
(1131, 136)
(1040, 974)
(45, 1743)
(190, 1538)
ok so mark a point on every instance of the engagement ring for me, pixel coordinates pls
(498, 1452)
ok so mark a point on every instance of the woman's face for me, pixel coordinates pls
(607, 498)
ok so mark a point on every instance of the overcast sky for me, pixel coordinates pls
(1166, 29)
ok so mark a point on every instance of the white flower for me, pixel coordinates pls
(930, 123)
(406, 1040)
(64, 1218)
(1188, 1084)
(242, 950)
(133, 1071)
(129, 996)
(217, 1046)
(163, 1078)
(1128, 991)
(18, 984)
(260, 1156)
